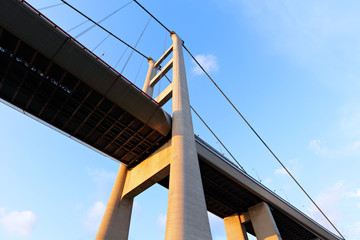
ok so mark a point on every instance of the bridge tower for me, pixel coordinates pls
(187, 214)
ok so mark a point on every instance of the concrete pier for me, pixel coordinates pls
(263, 222)
(116, 221)
(234, 228)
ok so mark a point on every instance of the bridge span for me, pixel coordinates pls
(48, 74)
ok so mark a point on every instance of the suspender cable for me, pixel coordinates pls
(212, 132)
(100, 42)
(137, 42)
(111, 14)
(55, 5)
(253, 130)
(104, 29)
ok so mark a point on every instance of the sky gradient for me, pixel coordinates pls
(292, 68)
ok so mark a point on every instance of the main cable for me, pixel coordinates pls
(152, 16)
(104, 29)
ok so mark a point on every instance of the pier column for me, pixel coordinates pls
(187, 217)
(116, 221)
(234, 228)
(263, 222)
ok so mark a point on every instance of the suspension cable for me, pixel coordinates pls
(248, 124)
(137, 42)
(104, 28)
(138, 71)
(51, 6)
(152, 16)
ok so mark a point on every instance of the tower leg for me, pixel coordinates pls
(187, 214)
(116, 221)
(263, 222)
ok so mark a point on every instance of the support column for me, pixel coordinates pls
(263, 222)
(150, 74)
(187, 217)
(234, 228)
(116, 221)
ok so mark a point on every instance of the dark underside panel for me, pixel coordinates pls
(42, 88)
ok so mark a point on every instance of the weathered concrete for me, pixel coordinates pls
(116, 221)
(234, 228)
(187, 215)
(263, 222)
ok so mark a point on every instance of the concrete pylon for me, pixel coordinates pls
(116, 220)
(263, 222)
(187, 217)
(150, 74)
(187, 214)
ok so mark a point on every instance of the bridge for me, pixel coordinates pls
(50, 75)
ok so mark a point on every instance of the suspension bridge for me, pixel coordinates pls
(51, 76)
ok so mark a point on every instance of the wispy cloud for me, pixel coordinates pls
(318, 146)
(208, 62)
(330, 202)
(353, 194)
(94, 216)
(18, 223)
(293, 166)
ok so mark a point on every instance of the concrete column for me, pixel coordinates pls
(150, 74)
(234, 229)
(263, 222)
(187, 214)
(116, 221)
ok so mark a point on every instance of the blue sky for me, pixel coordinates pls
(291, 67)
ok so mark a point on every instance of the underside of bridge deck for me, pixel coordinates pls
(39, 86)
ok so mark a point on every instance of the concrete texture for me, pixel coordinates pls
(234, 228)
(150, 171)
(116, 221)
(263, 222)
(187, 217)
(150, 74)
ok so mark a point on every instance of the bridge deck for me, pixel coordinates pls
(46, 73)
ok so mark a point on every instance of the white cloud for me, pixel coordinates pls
(18, 223)
(94, 216)
(293, 166)
(281, 171)
(208, 62)
(340, 151)
(353, 194)
(314, 145)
